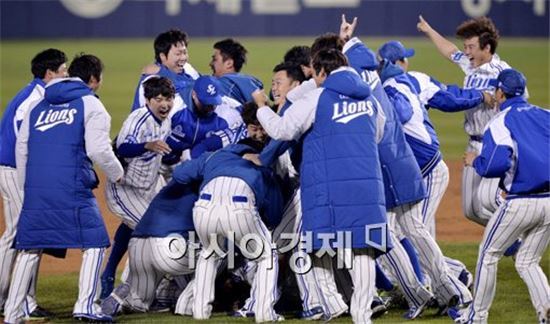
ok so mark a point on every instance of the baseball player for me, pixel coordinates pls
(141, 143)
(58, 140)
(171, 61)
(327, 166)
(171, 57)
(515, 150)
(208, 112)
(163, 230)
(45, 66)
(423, 141)
(234, 193)
(228, 58)
(480, 63)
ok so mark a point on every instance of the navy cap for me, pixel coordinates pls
(394, 51)
(208, 91)
(510, 81)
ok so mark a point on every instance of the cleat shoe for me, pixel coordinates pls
(378, 307)
(159, 306)
(415, 312)
(243, 313)
(112, 304)
(107, 286)
(442, 309)
(513, 249)
(314, 314)
(455, 315)
(39, 314)
(93, 318)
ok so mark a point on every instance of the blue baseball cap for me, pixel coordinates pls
(394, 51)
(510, 81)
(208, 90)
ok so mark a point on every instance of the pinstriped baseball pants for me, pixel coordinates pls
(12, 200)
(528, 216)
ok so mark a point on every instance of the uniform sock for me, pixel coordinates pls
(382, 282)
(413, 256)
(120, 246)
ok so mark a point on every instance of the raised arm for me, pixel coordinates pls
(444, 46)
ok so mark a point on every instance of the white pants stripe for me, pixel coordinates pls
(400, 267)
(480, 197)
(129, 203)
(150, 261)
(527, 216)
(363, 276)
(88, 282)
(12, 197)
(214, 219)
(431, 258)
(436, 183)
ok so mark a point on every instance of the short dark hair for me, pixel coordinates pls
(155, 86)
(50, 59)
(299, 55)
(231, 49)
(483, 28)
(84, 66)
(329, 60)
(164, 41)
(327, 41)
(249, 113)
(292, 70)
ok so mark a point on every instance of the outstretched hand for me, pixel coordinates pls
(469, 158)
(423, 25)
(347, 29)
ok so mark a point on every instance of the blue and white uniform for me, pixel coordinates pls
(515, 152)
(193, 135)
(183, 82)
(234, 193)
(12, 193)
(130, 198)
(405, 192)
(239, 86)
(57, 143)
(163, 230)
(334, 116)
(421, 136)
(480, 198)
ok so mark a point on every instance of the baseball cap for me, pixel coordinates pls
(208, 89)
(394, 50)
(510, 81)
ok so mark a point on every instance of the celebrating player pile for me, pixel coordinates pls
(327, 197)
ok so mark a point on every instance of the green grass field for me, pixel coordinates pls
(511, 304)
(124, 60)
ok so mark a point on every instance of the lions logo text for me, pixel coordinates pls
(344, 112)
(52, 118)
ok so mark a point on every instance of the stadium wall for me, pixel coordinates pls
(145, 18)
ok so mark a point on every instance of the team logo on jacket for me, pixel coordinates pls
(344, 111)
(51, 118)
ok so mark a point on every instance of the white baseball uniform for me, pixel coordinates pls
(480, 197)
(216, 213)
(130, 198)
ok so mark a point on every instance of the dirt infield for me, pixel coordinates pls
(452, 226)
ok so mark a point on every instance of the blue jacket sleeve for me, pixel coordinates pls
(453, 99)
(272, 207)
(208, 144)
(273, 150)
(192, 170)
(136, 104)
(494, 160)
(130, 150)
(401, 104)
